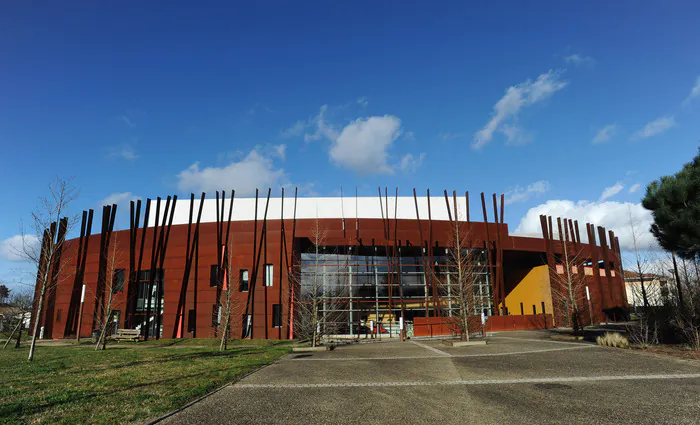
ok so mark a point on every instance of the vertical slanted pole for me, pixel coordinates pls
(431, 250)
(161, 287)
(397, 256)
(250, 303)
(283, 248)
(606, 264)
(265, 277)
(77, 283)
(132, 288)
(342, 212)
(178, 330)
(56, 267)
(489, 256)
(137, 278)
(290, 269)
(596, 266)
(151, 275)
(381, 210)
(357, 217)
(422, 252)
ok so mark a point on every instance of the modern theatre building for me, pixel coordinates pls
(380, 264)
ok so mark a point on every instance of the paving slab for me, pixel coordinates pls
(518, 377)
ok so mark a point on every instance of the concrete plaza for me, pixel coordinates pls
(520, 377)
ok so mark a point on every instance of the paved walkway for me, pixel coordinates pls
(520, 377)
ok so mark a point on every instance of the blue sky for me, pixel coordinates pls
(564, 107)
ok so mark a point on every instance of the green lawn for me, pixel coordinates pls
(127, 383)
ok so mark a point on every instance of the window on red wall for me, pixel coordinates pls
(243, 281)
(276, 315)
(118, 280)
(191, 321)
(269, 274)
(214, 276)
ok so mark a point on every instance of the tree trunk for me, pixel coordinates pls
(39, 310)
(19, 334)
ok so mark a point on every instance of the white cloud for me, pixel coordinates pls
(297, 129)
(11, 248)
(322, 128)
(253, 171)
(613, 216)
(694, 92)
(578, 60)
(516, 136)
(362, 101)
(280, 150)
(635, 187)
(451, 136)
(611, 191)
(124, 151)
(522, 194)
(654, 127)
(605, 133)
(118, 198)
(410, 164)
(515, 98)
(363, 144)
(126, 120)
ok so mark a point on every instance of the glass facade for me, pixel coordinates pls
(145, 316)
(357, 285)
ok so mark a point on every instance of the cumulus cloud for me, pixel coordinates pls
(410, 164)
(579, 60)
(362, 145)
(280, 150)
(522, 194)
(694, 92)
(614, 216)
(605, 133)
(516, 98)
(123, 151)
(253, 171)
(654, 128)
(611, 191)
(635, 187)
(297, 129)
(118, 198)
(11, 248)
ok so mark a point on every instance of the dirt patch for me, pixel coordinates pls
(678, 351)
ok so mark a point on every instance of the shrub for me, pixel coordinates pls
(613, 339)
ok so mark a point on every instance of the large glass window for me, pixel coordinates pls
(147, 314)
(269, 274)
(356, 285)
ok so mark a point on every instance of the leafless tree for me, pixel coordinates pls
(229, 301)
(42, 244)
(19, 309)
(320, 293)
(459, 279)
(568, 282)
(113, 284)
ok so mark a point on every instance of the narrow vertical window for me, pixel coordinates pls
(543, 312)
(269, 274)
(522, 312)
(118, 281)
(276, 315)
(534, 309)
(191, 321)
(244, 281)
(214, 276)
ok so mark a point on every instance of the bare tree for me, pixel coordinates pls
(114, 283)
(229, 300)
(321, 292)
(459, 280)
(42, 244)
(19, 309)
(640, 262)
(568, 283)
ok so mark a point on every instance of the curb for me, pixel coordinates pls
(197, 400)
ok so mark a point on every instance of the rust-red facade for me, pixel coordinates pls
(189, 261)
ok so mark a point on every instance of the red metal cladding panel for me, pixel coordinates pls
(241, 234)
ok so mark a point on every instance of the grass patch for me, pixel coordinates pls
(77, 385)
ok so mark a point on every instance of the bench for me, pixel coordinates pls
(128, 335)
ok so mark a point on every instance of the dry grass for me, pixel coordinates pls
(613, 339)
(77, 385)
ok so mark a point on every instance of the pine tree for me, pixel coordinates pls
(675, 205)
